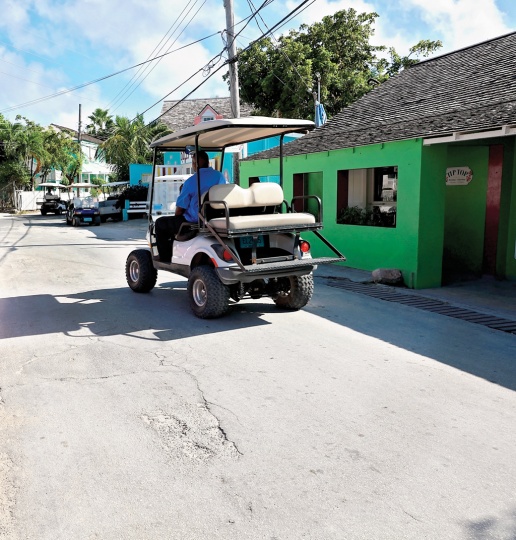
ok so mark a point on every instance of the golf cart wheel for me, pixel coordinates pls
(76, 221)
(139, 271)
(97, 221)
(297, 293)
(209, 297)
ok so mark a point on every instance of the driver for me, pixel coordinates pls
(187, 205)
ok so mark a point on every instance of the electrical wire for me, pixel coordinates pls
(78, 87)
(158, 49)
(250, 2)
(279, 24)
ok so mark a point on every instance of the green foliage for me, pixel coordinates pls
(135, 193)
(101, 123)
(279, 77)
(129, 143)
(354, 215)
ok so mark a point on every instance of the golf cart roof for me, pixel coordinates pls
(52, 185)
(218, 134)
(81, 185)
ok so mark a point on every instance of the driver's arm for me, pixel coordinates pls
(179, 211)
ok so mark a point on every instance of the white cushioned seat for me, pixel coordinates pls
(258, 195)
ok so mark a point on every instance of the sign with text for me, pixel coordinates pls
(458, 176)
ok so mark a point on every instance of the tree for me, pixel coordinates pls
(277, 77)
(63, 154)
(22, 151)
(101, 123)
(129, 143)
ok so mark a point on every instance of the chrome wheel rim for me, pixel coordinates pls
(199, 292)
(134, 271)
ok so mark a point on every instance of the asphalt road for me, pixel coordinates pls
(122, 416)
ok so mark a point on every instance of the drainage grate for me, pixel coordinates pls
(427, 304)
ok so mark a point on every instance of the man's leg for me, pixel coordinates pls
(166, 229)
(163, 237)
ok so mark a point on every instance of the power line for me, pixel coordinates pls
(278, 25)
(78, 87)
(156, 50)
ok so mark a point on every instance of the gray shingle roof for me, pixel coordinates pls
(181, 115)
(472, 89)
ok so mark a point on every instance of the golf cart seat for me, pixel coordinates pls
(254, 208)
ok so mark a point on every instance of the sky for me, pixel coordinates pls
(50, 50)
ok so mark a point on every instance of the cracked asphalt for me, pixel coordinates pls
(122, 416)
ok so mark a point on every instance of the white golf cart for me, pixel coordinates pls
(83, 208)
(52, 201)
(247, 241)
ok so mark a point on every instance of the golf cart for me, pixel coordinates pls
(83, 208)
(243, 245)
(52, 202)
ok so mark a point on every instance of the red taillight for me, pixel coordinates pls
(227, 256)
(304, 246)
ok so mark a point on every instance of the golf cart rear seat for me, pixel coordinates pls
(254, 209)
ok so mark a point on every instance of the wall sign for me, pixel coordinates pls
(458, 176)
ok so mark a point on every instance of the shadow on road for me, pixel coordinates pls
(471, 348)
(163, 314)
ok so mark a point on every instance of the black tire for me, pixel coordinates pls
(209, 297)
(97, 221)
(43, 212)
(300, 291)
(103, 219)
(139, 271)
(76, 221)
(58, 212)
(68, 220)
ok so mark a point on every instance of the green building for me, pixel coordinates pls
(419, 174)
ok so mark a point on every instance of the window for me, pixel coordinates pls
(367, 196)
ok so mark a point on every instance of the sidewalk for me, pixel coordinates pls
(485, 295)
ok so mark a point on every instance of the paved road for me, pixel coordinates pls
(122, 416)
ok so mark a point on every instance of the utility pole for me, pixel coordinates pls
(79, 141)
(233, 67)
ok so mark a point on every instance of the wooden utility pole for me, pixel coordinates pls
(233, 66)
(79, 136)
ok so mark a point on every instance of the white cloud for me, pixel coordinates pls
(460, 23)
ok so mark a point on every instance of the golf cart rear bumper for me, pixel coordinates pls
(234, 274)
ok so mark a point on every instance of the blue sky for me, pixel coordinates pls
(50, 46)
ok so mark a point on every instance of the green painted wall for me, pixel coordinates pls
(432, 219)
(465, 214)
(365, 247)
(507, 255)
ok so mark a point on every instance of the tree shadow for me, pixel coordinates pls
(491, 527)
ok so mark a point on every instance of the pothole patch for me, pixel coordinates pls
(191, 434)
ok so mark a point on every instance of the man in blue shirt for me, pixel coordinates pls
(187, 204)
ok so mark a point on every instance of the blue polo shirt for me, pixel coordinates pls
(188, 197)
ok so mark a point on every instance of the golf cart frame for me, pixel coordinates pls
(247, 241)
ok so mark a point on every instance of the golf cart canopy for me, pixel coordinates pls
(52, 185)
(219, 134)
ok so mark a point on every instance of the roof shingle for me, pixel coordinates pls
(472, 89)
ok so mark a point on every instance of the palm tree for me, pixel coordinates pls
(101, 123)
(129, 142)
